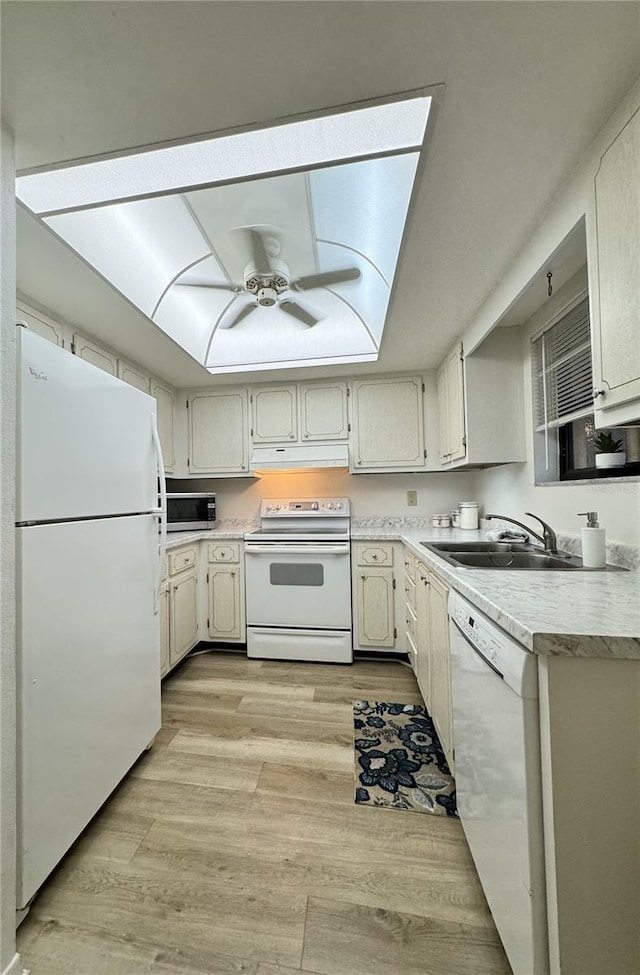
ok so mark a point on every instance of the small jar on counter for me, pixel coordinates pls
(441, 521)
(469, 514)
(455, 518)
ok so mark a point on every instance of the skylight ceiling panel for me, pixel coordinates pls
(139, 247)
(368, 296)
(189, 316)
(364, 205)
(270, 335)
(296, 145)
(277, 204)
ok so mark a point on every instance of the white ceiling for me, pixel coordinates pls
(527, 87)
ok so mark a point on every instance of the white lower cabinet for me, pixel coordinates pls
(179, 631)
(164, 629)
(225, 593)
(376, 597)
(183, 615)
(432, 651)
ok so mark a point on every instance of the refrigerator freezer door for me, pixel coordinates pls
(85, 439)
(88, 676)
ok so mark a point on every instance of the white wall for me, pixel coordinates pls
(9, 961)
(510, 490)
(371, 495)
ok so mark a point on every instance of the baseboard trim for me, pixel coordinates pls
(15, 967)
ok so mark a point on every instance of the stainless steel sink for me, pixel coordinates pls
(506, 555)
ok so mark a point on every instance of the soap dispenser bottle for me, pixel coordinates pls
(594, 546)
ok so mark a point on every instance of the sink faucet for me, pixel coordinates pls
(549, 539)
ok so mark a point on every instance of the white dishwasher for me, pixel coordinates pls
(496, 733)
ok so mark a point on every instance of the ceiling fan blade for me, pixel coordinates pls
(297, 311)
(259, 251)
(329, 277)
(229, 322)
(208, 284)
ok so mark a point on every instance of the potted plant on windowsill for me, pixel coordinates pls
(608, 450)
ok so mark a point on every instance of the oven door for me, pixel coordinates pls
(305, 584)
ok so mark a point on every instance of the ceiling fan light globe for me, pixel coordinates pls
(267, 297)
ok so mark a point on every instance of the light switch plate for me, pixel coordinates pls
(412, 498)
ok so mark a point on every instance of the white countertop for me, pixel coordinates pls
(580, 614)
(587, 614)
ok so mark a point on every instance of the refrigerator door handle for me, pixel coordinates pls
(161, 511)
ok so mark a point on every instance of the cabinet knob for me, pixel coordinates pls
(306, 434)
(291, 437)
(222, 554)
(359, 461)
(598, 392)
(374, 556)
(233, 573)
(242, 468)
(363, 576)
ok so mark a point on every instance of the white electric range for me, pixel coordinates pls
(298, 581)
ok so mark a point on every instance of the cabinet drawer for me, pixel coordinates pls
(224, 552)
(412, 622)
(183, 559)
(410, 591)
(410, 565)
(374, 554)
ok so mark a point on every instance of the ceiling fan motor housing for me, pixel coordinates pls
(277, 279)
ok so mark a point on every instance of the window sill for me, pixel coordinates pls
(620, 479)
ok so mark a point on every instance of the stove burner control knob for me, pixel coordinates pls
(338, 505)
(314, 505)
(329, 505)
(269, 507)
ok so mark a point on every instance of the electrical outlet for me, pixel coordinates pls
(412, 498)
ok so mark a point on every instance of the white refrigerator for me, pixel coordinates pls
(88, 573)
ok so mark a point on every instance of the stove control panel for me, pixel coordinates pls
(305, 507)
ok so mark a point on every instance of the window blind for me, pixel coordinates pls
(562, 373)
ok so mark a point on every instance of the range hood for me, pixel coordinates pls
(305, 457)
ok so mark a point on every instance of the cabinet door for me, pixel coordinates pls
(615, 313)
(218, 428)
(443, 414)
(275, 415)
(133, 375)
(165, 406)
(95, 354)
(455, 402)
(439, 673)
(376, 626)
(42, 326)
(423, 655)
(164, 630)
(183, 616)
(225, 617)
(323, 411)
(388, 424)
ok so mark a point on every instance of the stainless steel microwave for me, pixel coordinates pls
(190, 512)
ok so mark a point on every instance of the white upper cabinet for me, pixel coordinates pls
(41, 325)
(218, 432)
(615, 278)
(274, 414)
(450, 384)
(133, 375)
(299, 413)
(165, 406)
(388, 424)
(95, 354)
(323, 411)
(481, 400)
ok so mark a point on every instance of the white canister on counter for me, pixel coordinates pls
(468, 514)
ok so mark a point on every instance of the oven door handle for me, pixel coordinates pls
(267, 549)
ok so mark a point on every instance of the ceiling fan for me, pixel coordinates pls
(267, 279)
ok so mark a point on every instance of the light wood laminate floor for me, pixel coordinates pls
(234, 846)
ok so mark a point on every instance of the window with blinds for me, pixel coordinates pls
(562, 375)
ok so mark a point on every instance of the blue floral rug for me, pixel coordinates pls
(399, 759)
